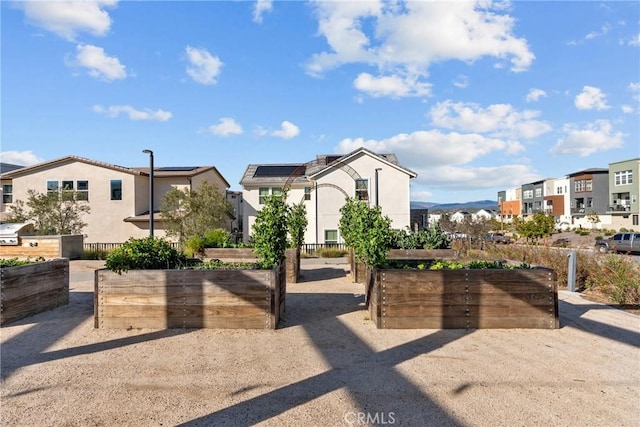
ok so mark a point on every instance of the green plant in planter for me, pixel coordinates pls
(297, 224)
(13, 262)
(144, 254)
(366, 231)
(269, 232)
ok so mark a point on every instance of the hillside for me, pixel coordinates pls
(466, 206)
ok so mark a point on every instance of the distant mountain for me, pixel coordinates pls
(467, 206)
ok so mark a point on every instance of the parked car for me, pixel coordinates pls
(620, 242)
(498, 238)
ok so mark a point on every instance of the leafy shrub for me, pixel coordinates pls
(270, 232)
(216, 264)
(218, 238)
(194, 245)
(144, 254)
(13, 262)
(618, 277)
(97, 254)
(598, 238)
(445, 265)
(427, 238)
(331, 252)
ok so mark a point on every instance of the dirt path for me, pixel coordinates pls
(326, 365)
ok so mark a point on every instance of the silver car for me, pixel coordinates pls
(620, 242)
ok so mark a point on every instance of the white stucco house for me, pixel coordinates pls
(324, 184)
(118, 196)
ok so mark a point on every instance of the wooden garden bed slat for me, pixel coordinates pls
(228, 300)
(181, 322)
(180, 310)
(465, 299)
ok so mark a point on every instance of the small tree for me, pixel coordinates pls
(297, 223)
(188, 213)
(541, 225)
(269, 232)
(52, 212)
(366, 231)
(593, 218)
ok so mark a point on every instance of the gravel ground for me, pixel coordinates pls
(326, 365)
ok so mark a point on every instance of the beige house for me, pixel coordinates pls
(118, 196)
(324, 184)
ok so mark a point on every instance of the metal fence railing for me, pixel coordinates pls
(307, 248)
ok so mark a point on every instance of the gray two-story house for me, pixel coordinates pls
(533, 198)
(624, 195)
(589, 192)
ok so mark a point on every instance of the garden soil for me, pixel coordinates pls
(326, 365)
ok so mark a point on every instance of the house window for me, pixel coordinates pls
(262, 193)
(7, 193)
(53, 186)
(583, 185)
(527, 194)
(538, 192)
(330, 237)
(82, 192)
(624, 177)
(116, 189)
(307, 193)
(67, 185)
(265, 191)
(589, 202)
(559, 190)
(362, 189)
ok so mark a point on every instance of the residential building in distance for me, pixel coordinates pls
(118, 196)
(510, 204)
(624, 193)
(590, 198)
(324, 184)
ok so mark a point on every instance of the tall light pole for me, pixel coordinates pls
(377, 192)
(150, 153)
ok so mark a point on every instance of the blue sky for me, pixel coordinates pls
(475, 97)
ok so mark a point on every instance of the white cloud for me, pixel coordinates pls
(635, 89)
(287, 131)
(23, 158)
(100, 65)
(204, 68)
(393, 86)
(496, 119)
(632, 41)
(591, 98)
(627, 109)
(535, 94)
(405, 39)
(424, 149)
(597, 136)
(468, 178)
(69, 18)
(461, 81)
(227, 127)
(145, 114)
(443, 160)
(595, 34)
(260, 8)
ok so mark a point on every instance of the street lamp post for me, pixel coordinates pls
(150, 153)
(377, 193)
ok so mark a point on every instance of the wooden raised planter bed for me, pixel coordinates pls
(359, 272)
(160, 299)
(464, 299)
(33, 288)
(247, 255)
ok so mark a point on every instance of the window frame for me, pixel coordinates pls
(115, 196)
(7, 196)
(82, 194)
(362, 194)
(331, 242)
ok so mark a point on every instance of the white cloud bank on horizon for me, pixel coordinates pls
(22, 158)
